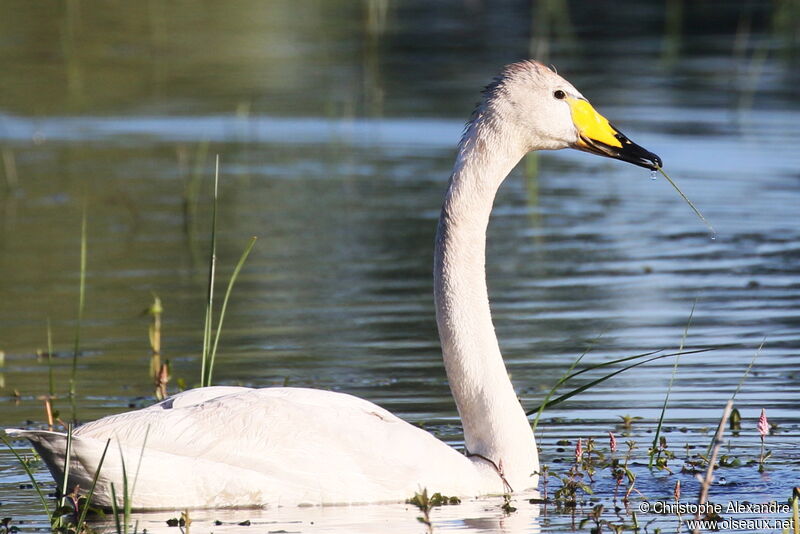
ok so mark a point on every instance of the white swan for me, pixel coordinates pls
(234, 447)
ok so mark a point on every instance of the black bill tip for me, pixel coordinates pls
(628, 151)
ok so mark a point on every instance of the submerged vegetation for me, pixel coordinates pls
(584, 486)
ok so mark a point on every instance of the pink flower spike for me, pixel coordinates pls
(612, 441)
(763, 424)
(579, 450)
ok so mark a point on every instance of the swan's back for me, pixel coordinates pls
(225, 447)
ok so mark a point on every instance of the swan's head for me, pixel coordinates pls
(547, 113)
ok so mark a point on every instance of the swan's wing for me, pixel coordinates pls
(197, 396)
(51, 446)
(275, 445)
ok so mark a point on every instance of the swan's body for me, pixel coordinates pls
(221, 446)
(225, 447)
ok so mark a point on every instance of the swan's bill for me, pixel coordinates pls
(598, 136)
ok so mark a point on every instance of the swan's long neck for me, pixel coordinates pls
(495, 425)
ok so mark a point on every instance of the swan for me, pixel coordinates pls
(223, 446)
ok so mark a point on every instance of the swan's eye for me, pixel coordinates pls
(559, 94)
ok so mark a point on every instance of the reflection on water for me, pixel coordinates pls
(336, 123)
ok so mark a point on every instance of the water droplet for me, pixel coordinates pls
(713, 237)
(653, 175)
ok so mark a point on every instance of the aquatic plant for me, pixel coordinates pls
(507, 507)
(660, 457)
(736, 417)
(763, 430)
(735, 421)
(65, 518)
(159, 371)
(544, 474)
(546, 402)
(620, 471)
(630, 475)
(691, 204)
(184, 522)
(81, 306)
(794, 502)
(210, 348)
(596, 517)
(715, 445)
(427, 503)
(592, 459)
(206, 359)
(655, 450)
(638, 359)
(51, 414)
(626, 422)
(572, 485)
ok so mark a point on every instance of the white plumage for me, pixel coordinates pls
(236, 447)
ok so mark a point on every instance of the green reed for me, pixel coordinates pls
(643, 358)
(57, 517)
(654, 448)
(210, 345)
(81, 305)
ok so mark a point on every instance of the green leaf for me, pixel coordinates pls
(600, 380)
(82, 518)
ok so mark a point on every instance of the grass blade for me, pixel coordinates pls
(85, 510)
(716, 442)
(735, 412)
(115, 509)
(602, 379)
(126, 508)
(212, 266)
(639, 356)
(67, 460)
(235, 275)
(749, 367)
(555, 387)
(691, 205)
(139, 465)
(81, 302)
(29, 473)
(613, 362)
(653, 448)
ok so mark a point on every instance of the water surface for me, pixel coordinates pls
(336, 124)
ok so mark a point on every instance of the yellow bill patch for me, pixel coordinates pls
(591, 124)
